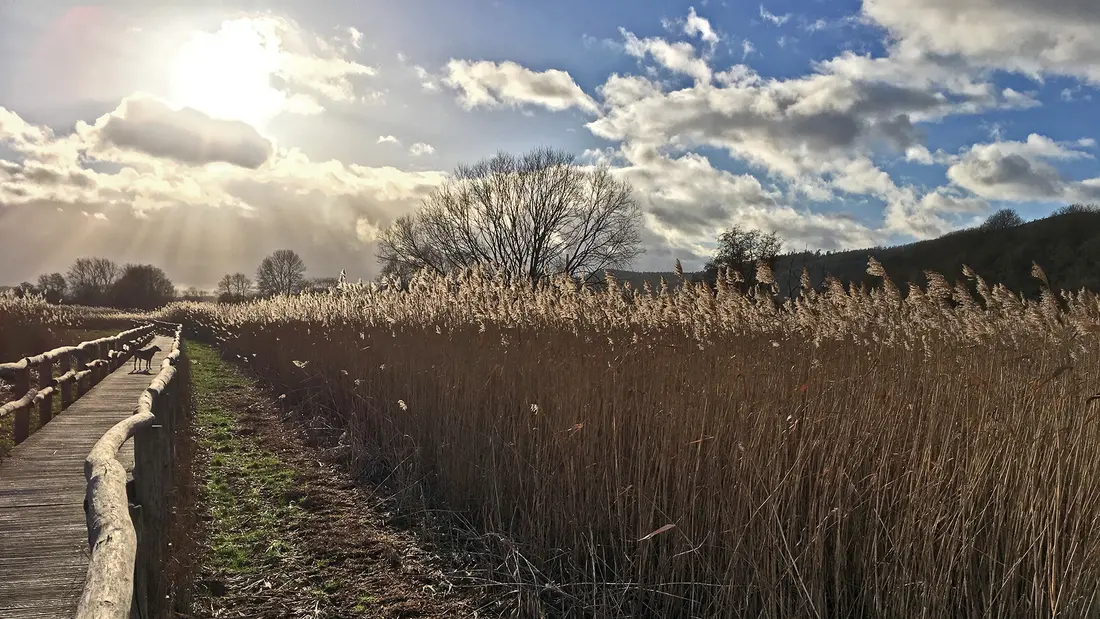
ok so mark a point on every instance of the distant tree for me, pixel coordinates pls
(90, 280)
(1076, 208)
(739, 246)
(320, 284)
(193, 293)
(283, 272)
(1002, 220)
(26, 289)
(52, 286)
(234, 287)
(532, 216)
(739, 249)
(142, 286)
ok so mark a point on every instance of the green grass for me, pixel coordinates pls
(245, 486)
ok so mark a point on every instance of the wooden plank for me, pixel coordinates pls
(43, 531)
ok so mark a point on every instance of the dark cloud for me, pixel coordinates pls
(992, 173)
(189, 136)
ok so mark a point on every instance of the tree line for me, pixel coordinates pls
(100, 281)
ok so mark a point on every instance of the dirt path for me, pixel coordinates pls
(285, 533)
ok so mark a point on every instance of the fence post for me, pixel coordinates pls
(64, 364)
(81, 366)
(152, 478)
(45, 406)
(99, 367)
(21, 427)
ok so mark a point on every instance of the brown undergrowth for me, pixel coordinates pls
(287, 533)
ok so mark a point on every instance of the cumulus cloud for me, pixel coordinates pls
(686, 201)
(388, 139)
(946, 200)
(421, 148)
(695, 25)
(1019, 171)
(1031, 36)
(679, 57)
(149, 125)
(492, 84)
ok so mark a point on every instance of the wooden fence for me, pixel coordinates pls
(94, 360)
(128, 534)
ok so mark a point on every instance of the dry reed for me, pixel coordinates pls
(676, 453)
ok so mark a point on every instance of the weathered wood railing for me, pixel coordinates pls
(128, 534)
(94, 360)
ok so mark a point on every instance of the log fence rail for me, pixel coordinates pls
(93, 360)
(129, 534)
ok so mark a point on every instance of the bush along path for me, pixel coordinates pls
(286, 534)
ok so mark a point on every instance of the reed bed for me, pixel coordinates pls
(932, 452)
(29, 325)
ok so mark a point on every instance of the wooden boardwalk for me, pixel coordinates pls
(43, 531)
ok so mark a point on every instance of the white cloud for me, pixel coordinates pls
(686, 200)
(1030, 36)
(388, 139)
(699, 26)
(747, 48)
(427, 80)
(492, 84)
(919, 153)
(944, 200)
(355, 37)
(679, 57)
(778, 20)
(421, 148)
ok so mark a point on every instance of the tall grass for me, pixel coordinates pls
(29, 325)
(675, 453)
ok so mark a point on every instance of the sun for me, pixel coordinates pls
(227, 74)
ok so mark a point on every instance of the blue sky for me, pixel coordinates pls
(203, 137)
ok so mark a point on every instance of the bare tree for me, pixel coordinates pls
(283, 272)
(532, 216)
(234, 287)
(193, 293)
(90, 279)
(240, 285)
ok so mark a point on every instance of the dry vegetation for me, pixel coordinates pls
(858, 453)
(29, 325)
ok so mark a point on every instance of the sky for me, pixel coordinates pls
(202, 137)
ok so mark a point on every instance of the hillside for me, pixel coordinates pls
(1066, 246)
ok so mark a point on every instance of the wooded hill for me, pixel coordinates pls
(1067, 246)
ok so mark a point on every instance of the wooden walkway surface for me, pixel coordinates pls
(43, 531)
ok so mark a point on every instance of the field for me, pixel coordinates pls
(932, 452)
